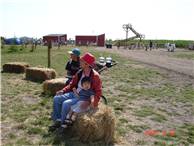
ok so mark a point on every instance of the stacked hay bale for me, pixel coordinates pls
(54, 85)
(40, 74)
(15, 67)
(96, 125)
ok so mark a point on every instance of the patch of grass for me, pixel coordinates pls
(152, 92)
(144, 111)
(163, 90)
(167, 140)
(160, 43)
(186, 133)
(138, 128)
(15, 48)
(133, 75)
(122, 120)
(189, 55)
(141, 142)
(121, 130)
(34, 130)
(165, 143)
(186, 94)
(23, 141)
(158, 117)
(12, 136)
(150, 111)
(183, 135)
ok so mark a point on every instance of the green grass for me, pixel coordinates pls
(137, 128)
(160, 43)
(186, 133)
(181, 137)
(150, 111)
(144, 112)
(141, 142)
(189, 55)
(27, 110)
(186, 94)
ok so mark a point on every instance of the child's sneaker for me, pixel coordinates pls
(68, 122)
(53, 127)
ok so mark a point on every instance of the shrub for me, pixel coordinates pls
(13, 48)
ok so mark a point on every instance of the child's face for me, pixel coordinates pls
(86, 85)
(73, 57)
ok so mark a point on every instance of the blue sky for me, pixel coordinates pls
(157, 19)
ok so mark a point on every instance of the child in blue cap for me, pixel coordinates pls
(73, 65)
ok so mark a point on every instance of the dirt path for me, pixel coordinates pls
(160, 58)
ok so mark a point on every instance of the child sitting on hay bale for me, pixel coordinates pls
(84, 97)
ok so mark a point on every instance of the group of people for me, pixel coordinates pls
(82, 91)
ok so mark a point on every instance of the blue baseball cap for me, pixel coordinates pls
(75, 51)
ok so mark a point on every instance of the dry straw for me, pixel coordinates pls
(15, 67)
(40, 74)
(54, 85)
(98, 125)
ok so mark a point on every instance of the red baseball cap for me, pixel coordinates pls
(88, 58)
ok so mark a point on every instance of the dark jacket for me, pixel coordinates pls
(72, 67)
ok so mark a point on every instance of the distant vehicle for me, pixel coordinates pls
(191, 47)
(13, 41)
(109, 45)
(170, 47)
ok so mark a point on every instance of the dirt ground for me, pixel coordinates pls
(159, 58)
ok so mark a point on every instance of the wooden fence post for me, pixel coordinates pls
(49, 53)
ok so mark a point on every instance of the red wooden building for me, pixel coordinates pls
(55, 38)
(90, 40)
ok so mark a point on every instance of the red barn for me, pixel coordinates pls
(55, 38)
(90, 40)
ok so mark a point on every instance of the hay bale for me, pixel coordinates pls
(96, 125)
(40, 74)
(54, 85)
(15, 67)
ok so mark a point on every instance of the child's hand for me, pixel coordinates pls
(92, 102)
(75, 92)
(92, 98)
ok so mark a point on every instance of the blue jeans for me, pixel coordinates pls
(62, 105)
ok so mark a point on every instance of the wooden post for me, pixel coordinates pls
(49, 53)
